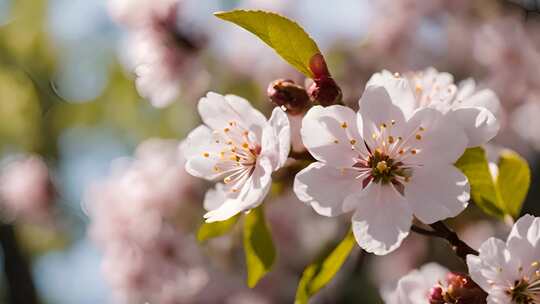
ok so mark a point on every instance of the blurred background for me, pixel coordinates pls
(70, 104)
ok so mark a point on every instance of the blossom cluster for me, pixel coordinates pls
(504, 272)
(148, 256)
(381, 162)
(161, 52)
(26, 190)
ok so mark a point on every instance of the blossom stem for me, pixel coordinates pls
(305, 155)
(440, 230)
(16, 268)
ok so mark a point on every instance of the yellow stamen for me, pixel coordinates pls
(381, 166)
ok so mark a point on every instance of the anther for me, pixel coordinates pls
(344, 125)
(418, 136)
(353, 141)
(206, 154)
(390, 139)
(381, 166)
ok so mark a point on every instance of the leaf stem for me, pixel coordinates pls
(440, 230)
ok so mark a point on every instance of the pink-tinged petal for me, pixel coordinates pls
(490, 268)
(437, 192)
(217, 111)
(479, 124)
(484, 98)
(250, 195)
(311, 185)
(525, 238)
(197, 141)
(276, 138)
(201, 153)
(466, 89)
(414, 287)
(499, 297)
(215, 197)
(398, 89)
(331, 135)
(435, 137)
(382, 219)
(379, 116)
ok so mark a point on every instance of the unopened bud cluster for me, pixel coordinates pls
(324, 89)
(286, 94)
(459, 289)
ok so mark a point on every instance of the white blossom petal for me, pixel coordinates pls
(486, 269)
(217, 111)
(479, 124)
(325, 188)
(330, 134)
(437, 192)
(276, 138)
(250, 196)
(398, 89)
(442, 140)
(382, 219)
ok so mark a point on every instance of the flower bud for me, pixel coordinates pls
(463, 290)
(436, 295)
(285, 93)
(324, 89)
(458, 289)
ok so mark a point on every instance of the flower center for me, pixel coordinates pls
(527, 289)
(385, 158)
(238, 156)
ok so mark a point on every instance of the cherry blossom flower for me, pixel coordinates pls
(476, 110)
(383, 165)
(434, 284)
(510, 53)
(415, 287)
(147, 255)
(26, 189)
(160, 50)
(238, 145)
(510, 271)
(138, 13)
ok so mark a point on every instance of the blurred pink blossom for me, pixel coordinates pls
(26, 190)
(159, 49)
(134, 218)
(512, 59)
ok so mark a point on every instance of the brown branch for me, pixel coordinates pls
(440, 230)
(17, 269)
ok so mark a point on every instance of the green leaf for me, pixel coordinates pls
(474, 164)
(513, 181)
(215, 229)
(318, 274)
(498, 195)
(258, 246)
(286, 37)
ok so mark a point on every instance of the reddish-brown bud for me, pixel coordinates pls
(459, 289)
(285, 93)
(436, 295)
(324, 89)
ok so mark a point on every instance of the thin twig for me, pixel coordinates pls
(440, 230)
(302, 156)
(17, 269)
